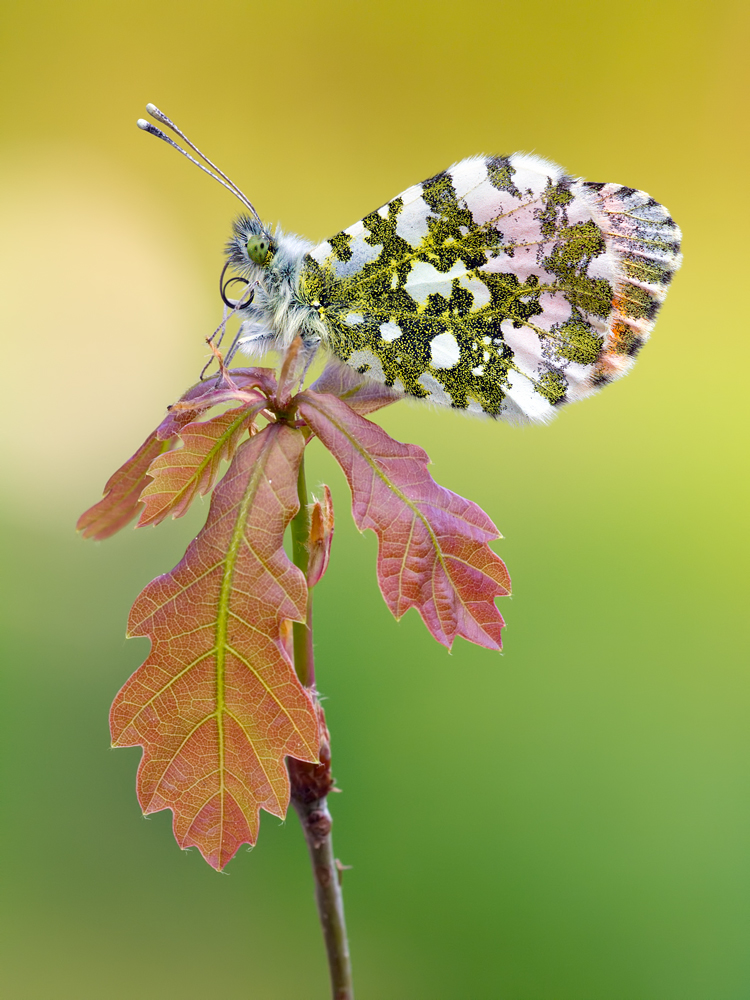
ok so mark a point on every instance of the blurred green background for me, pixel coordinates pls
(566, 822)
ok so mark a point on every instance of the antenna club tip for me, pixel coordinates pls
(153, 130)
(159, 115)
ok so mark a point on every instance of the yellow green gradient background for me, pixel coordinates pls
(568, 821)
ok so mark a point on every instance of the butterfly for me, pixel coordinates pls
(500, 286)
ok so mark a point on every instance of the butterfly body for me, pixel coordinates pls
(501, 286)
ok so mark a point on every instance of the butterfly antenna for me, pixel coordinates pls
(163, 119)
(225, 182)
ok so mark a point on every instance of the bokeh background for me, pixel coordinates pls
(568, 821)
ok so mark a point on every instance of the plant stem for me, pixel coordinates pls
(316, 820)
(304, 660)
(311, 783)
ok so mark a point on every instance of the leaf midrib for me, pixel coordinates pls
(222, 617)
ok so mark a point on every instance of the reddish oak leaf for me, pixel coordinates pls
(364, 395)
(178, 477)
(121, 500)
(217, 705)
(433, 553)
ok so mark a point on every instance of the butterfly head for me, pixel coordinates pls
(251, 248)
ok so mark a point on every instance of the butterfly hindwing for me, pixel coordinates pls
(499, 286)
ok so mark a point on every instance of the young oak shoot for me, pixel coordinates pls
(218, 704)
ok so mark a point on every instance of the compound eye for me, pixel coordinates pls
(257, 249)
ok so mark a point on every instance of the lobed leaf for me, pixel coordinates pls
(363, 395)
(217, 705)
(179, 476)
(432, 544)
(120, 503)
(121, 500)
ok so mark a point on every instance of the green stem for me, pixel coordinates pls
(304, 661)
(310, 783)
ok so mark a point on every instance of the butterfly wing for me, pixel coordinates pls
(500, 286)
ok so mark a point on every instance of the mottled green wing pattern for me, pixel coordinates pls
(500, 286)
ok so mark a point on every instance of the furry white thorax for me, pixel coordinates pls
(277, 313)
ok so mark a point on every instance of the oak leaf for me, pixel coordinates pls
(363, 395)
(217, 705)
(432, 544)
(180, 475)
(122, 493)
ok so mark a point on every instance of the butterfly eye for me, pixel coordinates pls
(257, 249)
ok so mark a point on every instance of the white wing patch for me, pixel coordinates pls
(444, 351)
(390, 331)
(425, 279)
(412, 222)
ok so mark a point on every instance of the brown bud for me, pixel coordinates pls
(321, 536)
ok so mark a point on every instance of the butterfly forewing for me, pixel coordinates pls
(500, 286)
